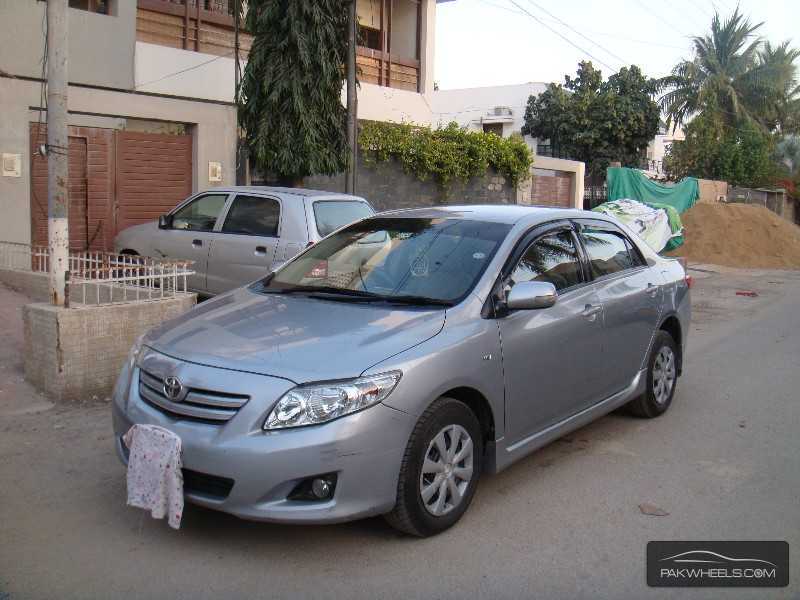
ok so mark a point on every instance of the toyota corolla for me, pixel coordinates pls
(387, 368)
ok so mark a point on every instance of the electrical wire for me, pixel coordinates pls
(571, 28)
(660, 19)
(615, 35)
(186, 70)
(562, 36)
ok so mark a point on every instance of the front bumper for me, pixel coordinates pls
(364, 449)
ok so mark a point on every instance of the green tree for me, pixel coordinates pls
(742, 156)
(737, 75)
(290, 107)
(596, 121)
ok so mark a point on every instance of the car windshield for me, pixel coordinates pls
(418, 260)
(332, 214)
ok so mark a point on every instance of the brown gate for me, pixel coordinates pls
(77, 186)
(116, 179)
(154, 173)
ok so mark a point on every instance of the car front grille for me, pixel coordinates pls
(197, 404)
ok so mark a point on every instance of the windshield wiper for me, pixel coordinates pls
(416, 300)
(324, 289)
(321, 291)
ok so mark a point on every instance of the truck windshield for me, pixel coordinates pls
(433, 260)
(332, 214)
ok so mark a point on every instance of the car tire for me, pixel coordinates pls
(421, 509)
(662, 378)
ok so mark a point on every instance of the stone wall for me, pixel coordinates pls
(76, 353)
(388, 187)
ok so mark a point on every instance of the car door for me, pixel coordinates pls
(631, 294)
(190, 233)
(551, 356)
(244, 248)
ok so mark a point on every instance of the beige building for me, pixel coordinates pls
(500, 109)
(151, 104)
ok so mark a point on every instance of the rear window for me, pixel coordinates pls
(332, 214)
(609, 252)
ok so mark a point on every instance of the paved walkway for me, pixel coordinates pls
(16, 395)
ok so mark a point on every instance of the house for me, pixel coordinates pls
(501, 110)
(658, 147)
(151, 114)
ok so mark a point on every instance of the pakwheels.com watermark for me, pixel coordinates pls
(720, 564)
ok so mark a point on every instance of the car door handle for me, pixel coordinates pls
(260, 251)
(197, 243)
(591, 311)
(652, 289)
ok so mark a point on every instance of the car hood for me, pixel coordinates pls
(295, 337)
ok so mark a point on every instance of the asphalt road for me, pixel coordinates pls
(724, 462)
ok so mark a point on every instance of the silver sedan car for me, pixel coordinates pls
(385, 369)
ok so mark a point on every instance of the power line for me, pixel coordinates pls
(571, 28)
(658, 18)
(197, 66)
(559, 34)
(615, 35)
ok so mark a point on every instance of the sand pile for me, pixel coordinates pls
(739, 235)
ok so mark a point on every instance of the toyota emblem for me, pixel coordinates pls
(173, 388)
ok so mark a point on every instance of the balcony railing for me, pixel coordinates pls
(199, 25)
(381, 68)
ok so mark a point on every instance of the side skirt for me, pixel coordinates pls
(499, 455)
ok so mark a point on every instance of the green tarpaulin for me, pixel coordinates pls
(630, 184)
(626, 185)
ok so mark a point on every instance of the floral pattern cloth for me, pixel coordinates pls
(155, 479)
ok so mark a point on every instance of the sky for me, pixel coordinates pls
(494, 42)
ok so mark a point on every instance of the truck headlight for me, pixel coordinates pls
(319, 403)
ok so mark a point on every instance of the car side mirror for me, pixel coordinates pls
(531, 294)
(165, 222)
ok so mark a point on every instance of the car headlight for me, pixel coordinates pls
(319, 403)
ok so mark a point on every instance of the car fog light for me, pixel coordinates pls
(320, 488)
(315, 489)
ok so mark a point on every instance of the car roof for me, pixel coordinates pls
(510, 214)
(286, 192)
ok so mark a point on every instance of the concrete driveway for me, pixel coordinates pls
(724, 463)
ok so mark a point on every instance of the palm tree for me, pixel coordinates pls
(736, 76)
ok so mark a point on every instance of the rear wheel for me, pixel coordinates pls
(440, 470)
(662, 377)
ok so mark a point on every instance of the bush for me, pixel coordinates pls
(445, 154)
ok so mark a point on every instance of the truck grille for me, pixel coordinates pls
(197, 404)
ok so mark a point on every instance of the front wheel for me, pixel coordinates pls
(662, 376)
(440, 470)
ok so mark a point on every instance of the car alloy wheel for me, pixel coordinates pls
(446, 470)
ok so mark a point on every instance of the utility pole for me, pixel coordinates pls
(57, 149)
(352, 118)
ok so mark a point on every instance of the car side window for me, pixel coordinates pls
(552, 258)
(609, 252)
(200, 214)
(253, 215)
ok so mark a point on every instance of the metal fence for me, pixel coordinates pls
(105, 277)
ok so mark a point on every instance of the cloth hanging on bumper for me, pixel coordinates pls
(155, 479)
